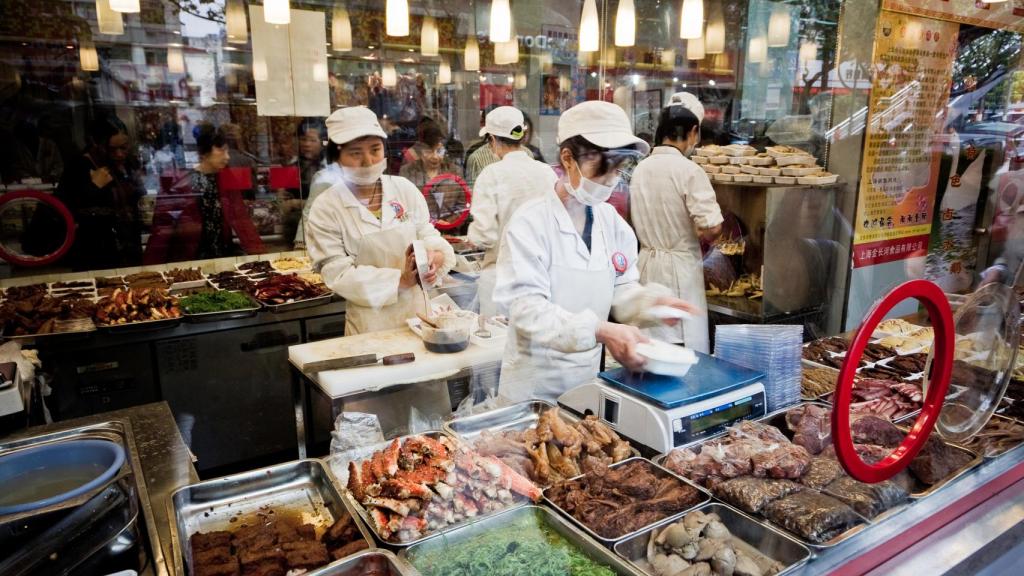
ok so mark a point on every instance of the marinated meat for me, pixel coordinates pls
(230, 568)
(936, 461)
(753, 494)
(812, 515)
(781, 461)
(910, 364)
(822, 471)
(215, 555)
(811, 426)
(305, 554)
(875, 430)
(876, 352)
(868, 500)
(817, 382)
(349, 549)
(615, 501)
(749, 448)
(969, 375)
(201, 541)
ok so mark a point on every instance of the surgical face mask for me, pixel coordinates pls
(590, 193)
(364, 175)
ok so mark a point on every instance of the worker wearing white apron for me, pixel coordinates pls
(360, 231)
(672, 206)
(568, 259)
(501, 188)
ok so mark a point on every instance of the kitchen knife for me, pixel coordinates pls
(357, 361)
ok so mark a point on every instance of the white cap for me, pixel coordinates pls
(505, 121)
(348, 124)
(690, 102)
(601, 123)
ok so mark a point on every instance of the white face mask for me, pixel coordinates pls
(364, 175)
(590, 193)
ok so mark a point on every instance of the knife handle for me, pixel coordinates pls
(396, 359)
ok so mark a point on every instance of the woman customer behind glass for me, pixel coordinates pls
(360, 231)
(215, 238)
(446, 200)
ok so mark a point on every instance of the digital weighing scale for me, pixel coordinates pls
(662, 412)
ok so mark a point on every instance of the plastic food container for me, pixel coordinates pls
(52, 473)
(666, 359)
(451, 335)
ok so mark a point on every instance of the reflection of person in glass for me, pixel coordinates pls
(102, 189)
(215, 238)
(360, 231)
(446, 200)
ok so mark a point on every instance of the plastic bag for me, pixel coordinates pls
(821, 472)
(753, 494)
(355, 429)
(869, 500)
(812, 515)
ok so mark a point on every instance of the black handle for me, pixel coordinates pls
(265, 340)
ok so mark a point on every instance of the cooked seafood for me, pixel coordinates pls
(423, 484)
(128, 305)
(700, 543)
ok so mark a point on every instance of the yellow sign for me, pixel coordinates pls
(1003, 15)
(904, 137)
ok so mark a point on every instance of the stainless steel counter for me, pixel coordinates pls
(166, 461)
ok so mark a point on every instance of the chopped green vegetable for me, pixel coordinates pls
(526, 545)
(215, 302)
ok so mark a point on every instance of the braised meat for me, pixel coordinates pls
(616, 501)
(868, 500)
(753, 494)
(822, 471)
(814, 516)
(936, 461)
(229, 568)
(749, 448)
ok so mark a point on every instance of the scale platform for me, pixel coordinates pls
(662, 412)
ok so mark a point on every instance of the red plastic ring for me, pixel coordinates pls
(62, 210)
(465, 189)
(941, 317)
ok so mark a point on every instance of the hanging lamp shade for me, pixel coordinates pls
(714, 36)
(259, 70)
(341, 30)
(471, 59)
(695, 49)
(625, 24)
(125, 6)
(87, 56)
(277, 11)
(429, 37)
(108, 21)
(444, 73)
(175, 60)
(590, 30)
(779, 27)
(501, 21)
(389, 76)
(237, 22)
(757, 52)
(521, 81)
(506, 52)
(808, 51)
(396, 18)
(668, 58)
(691, 19)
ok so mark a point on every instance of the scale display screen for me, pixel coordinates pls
(714, 420)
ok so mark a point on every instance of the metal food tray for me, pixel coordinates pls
(140, 326)
(225, 314)
(298, 304)
(353, 565)
(338, 463)
(925, 490)
(762, 536)
(667, 519)
(584, 543)
(1009, 449)
(69, 333)
(302, 486)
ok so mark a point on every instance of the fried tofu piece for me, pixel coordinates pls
(218, 555)
(305, 554)
(202, 541)
(349, 549)
(229, 568)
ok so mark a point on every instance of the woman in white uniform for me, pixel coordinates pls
(673, 207)
(500, 189)
(360, 231)
(568, 259)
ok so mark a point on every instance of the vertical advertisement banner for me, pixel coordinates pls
(903, 144)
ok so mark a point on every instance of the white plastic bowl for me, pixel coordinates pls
(666, 359)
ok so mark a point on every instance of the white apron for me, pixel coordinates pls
(530, 371)
(384, 249)
(485, 291)
(682, 271)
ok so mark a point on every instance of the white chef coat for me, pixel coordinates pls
(322, 180)
(338, 228)
(552, 346)
(500, 190)
(670, 199)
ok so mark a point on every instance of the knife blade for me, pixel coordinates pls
(357, 361)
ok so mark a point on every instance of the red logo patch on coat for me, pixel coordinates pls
(398, 208)
(620, 263)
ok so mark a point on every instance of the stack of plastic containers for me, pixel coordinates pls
(772, 349)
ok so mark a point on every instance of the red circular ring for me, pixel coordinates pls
(935, 302)
(465, 189)
(62, 210)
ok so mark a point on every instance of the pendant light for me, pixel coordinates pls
(501, 21)
(397, 18)
(714, 36)
(259, 70)
(341, 30)
(757, 52)
(320, 72)
(237, 22)
(521, 81)
(444, 72)
(388, 76)
(175, 60)
(109, 21)
(668, 58)
(471, 60)
(590, 32)
(125, 6)
(808, 51)
(992, 1)
(691, 19)
(695, 49)
(779, 27)
(277, 11)
(625, 24)
(87, 56)
(429, 40)
(506, 52)
(564, 83)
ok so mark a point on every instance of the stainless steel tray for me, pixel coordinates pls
(140, 326)
(705, 498)
(298, 304)
(762, 536)
(925, 491)
(521, 416)
(356, 565)
(338, 465)
(588, 546)
(302, 487)
(226, 314)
